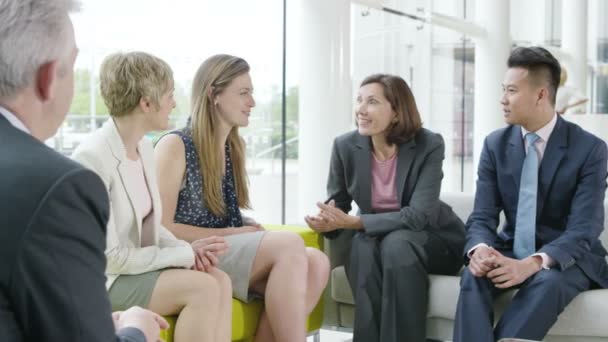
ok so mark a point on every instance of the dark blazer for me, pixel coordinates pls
(419, 175)
(52, 228)
(570, 205)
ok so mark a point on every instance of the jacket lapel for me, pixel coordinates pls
(119, 152)
(147, 158)
(405, 158)
(554, 152)
(363, 173)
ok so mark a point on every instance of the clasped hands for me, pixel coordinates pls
(331, 218)
(207, 252)
(503, 271)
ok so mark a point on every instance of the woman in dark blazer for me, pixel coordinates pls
(392, 168)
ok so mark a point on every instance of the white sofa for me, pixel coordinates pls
(584, 320)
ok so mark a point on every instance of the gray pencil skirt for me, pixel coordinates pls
(238, 261)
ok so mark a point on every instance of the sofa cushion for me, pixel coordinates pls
(443, 292)
(461, 203)
(340, 288)
(584, 316)
(443, 296)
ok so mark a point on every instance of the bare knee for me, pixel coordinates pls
(283, 249)
(318, 264)
(291, 241)
(203, 290)
(284, 246)
(225, 284)
(223, 280)
(293, 251)
(318, 258)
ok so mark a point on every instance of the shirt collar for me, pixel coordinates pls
(13, 120)
(544, 132)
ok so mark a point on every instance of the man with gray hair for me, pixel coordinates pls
(53, 211)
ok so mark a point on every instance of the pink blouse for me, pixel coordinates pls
(384, 187)
(141, 198)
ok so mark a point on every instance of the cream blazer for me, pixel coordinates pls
(104, 152)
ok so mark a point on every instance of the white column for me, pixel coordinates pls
(574, 42)
(325, 108)
(491, 54)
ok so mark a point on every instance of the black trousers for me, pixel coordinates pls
(389, 279)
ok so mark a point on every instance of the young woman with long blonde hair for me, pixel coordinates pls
(203, 184)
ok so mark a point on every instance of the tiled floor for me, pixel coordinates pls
(338, 336)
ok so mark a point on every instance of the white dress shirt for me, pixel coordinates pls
(13, 119)
(543, 133)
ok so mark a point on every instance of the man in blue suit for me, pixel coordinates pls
(549, 177)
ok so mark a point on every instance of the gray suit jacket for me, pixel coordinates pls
(419, 175)
(52, 228)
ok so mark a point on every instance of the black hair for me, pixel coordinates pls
(541, 65)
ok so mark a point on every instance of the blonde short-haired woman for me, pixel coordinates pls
(148, 266)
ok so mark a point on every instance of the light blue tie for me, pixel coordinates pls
(524, 244)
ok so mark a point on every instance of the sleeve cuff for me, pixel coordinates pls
(548, 261)
(470, 251)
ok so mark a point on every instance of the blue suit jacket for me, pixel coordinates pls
(571, 188)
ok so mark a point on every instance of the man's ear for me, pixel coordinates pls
(46, 77)
(542, 94)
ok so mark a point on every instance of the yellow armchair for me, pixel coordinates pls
(245, 316)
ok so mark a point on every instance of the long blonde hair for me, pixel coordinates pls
(212, 77)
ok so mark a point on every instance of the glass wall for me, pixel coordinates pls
(437, 63)
(599, 64)
(185, 36)
(528, 27)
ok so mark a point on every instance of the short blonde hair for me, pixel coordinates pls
(126, 78)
